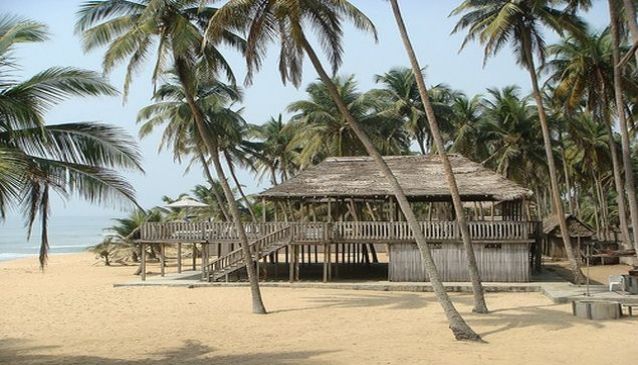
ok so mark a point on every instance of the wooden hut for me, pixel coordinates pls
(580, 233)
(340, 217)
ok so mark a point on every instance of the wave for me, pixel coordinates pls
(12, 256)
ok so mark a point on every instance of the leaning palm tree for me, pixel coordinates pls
(475, 277)
(129, 29)
(180, 135)
(286, 21)
(499, 22)
(37, 158)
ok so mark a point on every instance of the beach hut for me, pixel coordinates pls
(339, 220)
(580, 233)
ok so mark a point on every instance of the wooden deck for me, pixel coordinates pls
(338, 232)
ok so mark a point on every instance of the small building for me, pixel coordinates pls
(340, 220)
(580, 235)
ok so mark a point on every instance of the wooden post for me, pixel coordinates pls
(297, 263)
(329, 262)
(291, 262)
(143, 263)
(329, 210)
(204, 261)
(162, 259)
(325, 262)
(263, 210)
(179, 258)
(194, 258)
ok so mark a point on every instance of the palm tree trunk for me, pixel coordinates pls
(622, 121)
(213, 147)
(211, 181)
(555, 192)
(477, 287)
(618, 183)
(630, 14)
(459, 327)
(249, 205)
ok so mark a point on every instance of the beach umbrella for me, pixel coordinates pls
(186, 202)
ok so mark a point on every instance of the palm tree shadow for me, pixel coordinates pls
(544, 316)
(17, 352)
(394, 301)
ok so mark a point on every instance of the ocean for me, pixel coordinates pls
(67, 234)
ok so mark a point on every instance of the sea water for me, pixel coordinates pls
(67, 234)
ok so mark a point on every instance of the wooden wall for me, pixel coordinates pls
(505, 262)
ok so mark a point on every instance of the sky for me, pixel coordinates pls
(427, 22)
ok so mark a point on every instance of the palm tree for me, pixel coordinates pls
(129, 29)
(499, 22)
(582, 70)
(173, 113)
(274, 153)
(78, 158)
(622, 119)
(475, 278)
(466, 135)
(323, 131)
(630, 15)
(400, 90)
(284, 21)
(509, 126)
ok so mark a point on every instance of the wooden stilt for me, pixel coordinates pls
(325, 263)
(204, 261)
(162, 259)
(194, 256)
(297, 263)
(329, 262)
(291, 263)
(143, 262)
(179, 258)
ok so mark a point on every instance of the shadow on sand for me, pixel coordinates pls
(16, 352)
(394, 301)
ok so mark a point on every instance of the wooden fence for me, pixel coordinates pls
(306, 232)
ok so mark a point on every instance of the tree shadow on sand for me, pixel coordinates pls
(17, 352)
(548, 317)
(394, 301)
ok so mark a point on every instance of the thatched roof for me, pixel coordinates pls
(576, 227)
(421, 177)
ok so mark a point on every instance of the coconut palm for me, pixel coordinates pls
(582, 70)
(518, 22)
(322, 130)
(475, 278)
(466, 134)
(509, 126)
(632, 24)
(172, 112)
(274, 154)
(77, 158)
(401, 92)
(622, 118)
(129, 29)
(286, 22)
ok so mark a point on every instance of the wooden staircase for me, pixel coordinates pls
(260, 248)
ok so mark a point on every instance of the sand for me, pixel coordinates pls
(72, 314)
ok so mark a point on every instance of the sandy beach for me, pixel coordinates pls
(72, 314)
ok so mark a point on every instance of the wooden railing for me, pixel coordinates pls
(258, 249)
(307, 232)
